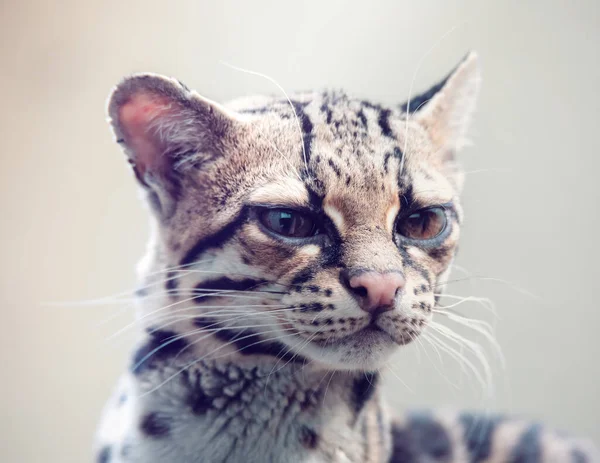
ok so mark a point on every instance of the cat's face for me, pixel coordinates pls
(324, 232)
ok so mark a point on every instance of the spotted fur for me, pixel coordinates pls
(256, 348)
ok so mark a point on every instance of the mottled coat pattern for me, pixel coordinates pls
(296, 244)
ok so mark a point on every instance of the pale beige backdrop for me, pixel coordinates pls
(72, 226)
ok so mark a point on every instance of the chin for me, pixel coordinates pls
(366, 350)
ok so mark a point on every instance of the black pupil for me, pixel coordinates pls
(288, 223)
(423, 225)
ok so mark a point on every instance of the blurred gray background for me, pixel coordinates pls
(73, 227)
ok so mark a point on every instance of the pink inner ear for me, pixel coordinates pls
(135, 118)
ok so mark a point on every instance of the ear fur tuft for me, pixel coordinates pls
(447, 108)
(164, 127)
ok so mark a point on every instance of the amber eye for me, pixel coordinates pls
(288, 223)
(424, 224)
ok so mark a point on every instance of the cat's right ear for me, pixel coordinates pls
(165, 129)
(446, 109)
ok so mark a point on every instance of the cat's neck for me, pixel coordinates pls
(257, 406)
(204, 382)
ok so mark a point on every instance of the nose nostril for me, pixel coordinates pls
(360, 291)
(376, 291)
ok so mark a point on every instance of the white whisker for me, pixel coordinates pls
(388, 365)
(410, 90)
(480, 326)
(475, 349)
(189, 365)
(274, 82)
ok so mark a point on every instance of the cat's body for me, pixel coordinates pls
(296, 245)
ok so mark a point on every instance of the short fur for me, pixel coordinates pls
(254, 347)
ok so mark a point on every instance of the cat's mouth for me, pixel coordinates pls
(370, 334)
(366, 348)
(377, 332)
(364, 342)
(372, 328)
(370, 331)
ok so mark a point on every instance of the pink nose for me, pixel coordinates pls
(379, 289)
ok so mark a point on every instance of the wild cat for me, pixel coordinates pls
(296, 244)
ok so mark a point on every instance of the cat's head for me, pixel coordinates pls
(321, 226)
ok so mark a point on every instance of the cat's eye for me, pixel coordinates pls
(289, 223)
(425, 224)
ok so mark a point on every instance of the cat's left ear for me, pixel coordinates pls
(164, 129)
(446, 109)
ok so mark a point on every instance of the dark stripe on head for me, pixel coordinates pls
(336, 169)
(429, 436)
(395, 153)
(307, 128)
(478, 433)
(315, 198)
(247, 342)
(363, 389)
(204, 288)
(384, 122)
(167, 344)
(528, 450)
(215, 240)
(332, 255)
(155, 425)
(407, 198)
(328, 113)
(363, 118)
(371, 105)
(386, 161)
